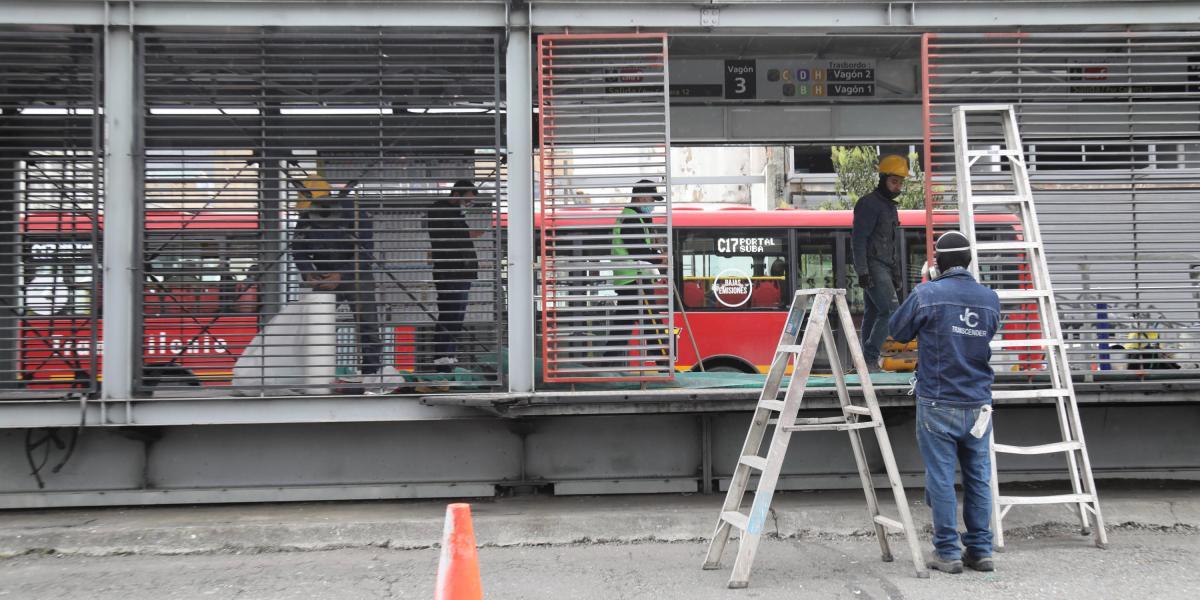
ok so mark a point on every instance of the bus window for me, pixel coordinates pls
(815, 267)
(58, 279)
(194, 275)
(727, 270)
(914, 240)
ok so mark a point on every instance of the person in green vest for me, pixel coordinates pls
(634, 242)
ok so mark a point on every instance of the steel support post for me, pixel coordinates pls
(120, 214)
(521, 301)
(10, 268)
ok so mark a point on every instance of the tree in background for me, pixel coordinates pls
(858, 174)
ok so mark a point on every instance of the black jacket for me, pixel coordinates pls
(876, 234)
(326, 241)
(450, 241)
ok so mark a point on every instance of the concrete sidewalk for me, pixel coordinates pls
(532, 520)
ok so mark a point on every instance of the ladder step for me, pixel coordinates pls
(775, 405)
(1003, 246)
(793, 348)
(754, 462)
(977, 200)
(856, 410)
(1033, 393)
(992, 108)
(889, 523)
(736, 519)
(1030, 294)
(1042, 449)
(832, 426)
(1059, 499)
(1027, 343)
(995, 152)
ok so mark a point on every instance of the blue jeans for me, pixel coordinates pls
(880, 302)
(944, 435)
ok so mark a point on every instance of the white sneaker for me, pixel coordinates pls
(385, 382)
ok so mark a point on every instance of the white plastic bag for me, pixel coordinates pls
(296, 350)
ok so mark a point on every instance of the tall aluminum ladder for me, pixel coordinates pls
(782, 414)
(1032, 293)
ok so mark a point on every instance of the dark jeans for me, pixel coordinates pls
(880, 302)
(360, 295)
(452, 310)
(944, 436)
(631, 303)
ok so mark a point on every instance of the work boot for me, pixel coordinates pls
(944, 565)
(983, 563)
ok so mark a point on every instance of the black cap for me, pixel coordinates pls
(463, 186)
(952, 241)
(646, 191)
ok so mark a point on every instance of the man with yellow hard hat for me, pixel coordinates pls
(875, 240)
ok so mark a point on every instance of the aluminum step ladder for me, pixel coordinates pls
(782, 414)
(1033, 292)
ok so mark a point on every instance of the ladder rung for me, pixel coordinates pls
(736, 519)
(1027, 343)
(793, 348)
(1032, 393)
(889, 523)
(1059, 499)
(775, 405)
(754, 462)
(821, 420)
(1030, 294)
(996, 108)
(998, 199)
(856, 410)
(990, 152)
(1042, 449)
(832, 426)
(1003, 246)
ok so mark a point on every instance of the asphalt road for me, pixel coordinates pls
(1138, 564)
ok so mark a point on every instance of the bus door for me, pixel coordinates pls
(815, 265)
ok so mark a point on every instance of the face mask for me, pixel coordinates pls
(645, 209)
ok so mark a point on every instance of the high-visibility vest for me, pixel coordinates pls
(629, 218)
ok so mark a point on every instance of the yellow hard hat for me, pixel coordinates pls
(894, 164)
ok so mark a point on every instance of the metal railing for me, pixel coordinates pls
(50, 191)
(1110, 134)
(320, 212)
(606, 308)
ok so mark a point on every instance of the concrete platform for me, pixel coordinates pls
(523, 521)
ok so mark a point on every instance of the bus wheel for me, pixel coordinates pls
(725, 365)
(723, 369)
(168, 375)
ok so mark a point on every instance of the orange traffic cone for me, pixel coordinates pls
(458, 569)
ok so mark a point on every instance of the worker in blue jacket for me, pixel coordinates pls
(954, 318)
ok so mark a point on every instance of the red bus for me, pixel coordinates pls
(199, 300)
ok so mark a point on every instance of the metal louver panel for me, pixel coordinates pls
(50, 187)
(1108, 123)
(299, 235)
(605, 208)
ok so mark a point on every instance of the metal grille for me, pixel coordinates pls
(1108, 123)
(605, 208)
(299, 230)
(50, 186)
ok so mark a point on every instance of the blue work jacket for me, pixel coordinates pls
(953, 318)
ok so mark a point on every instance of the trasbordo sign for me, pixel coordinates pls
(732, 287)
